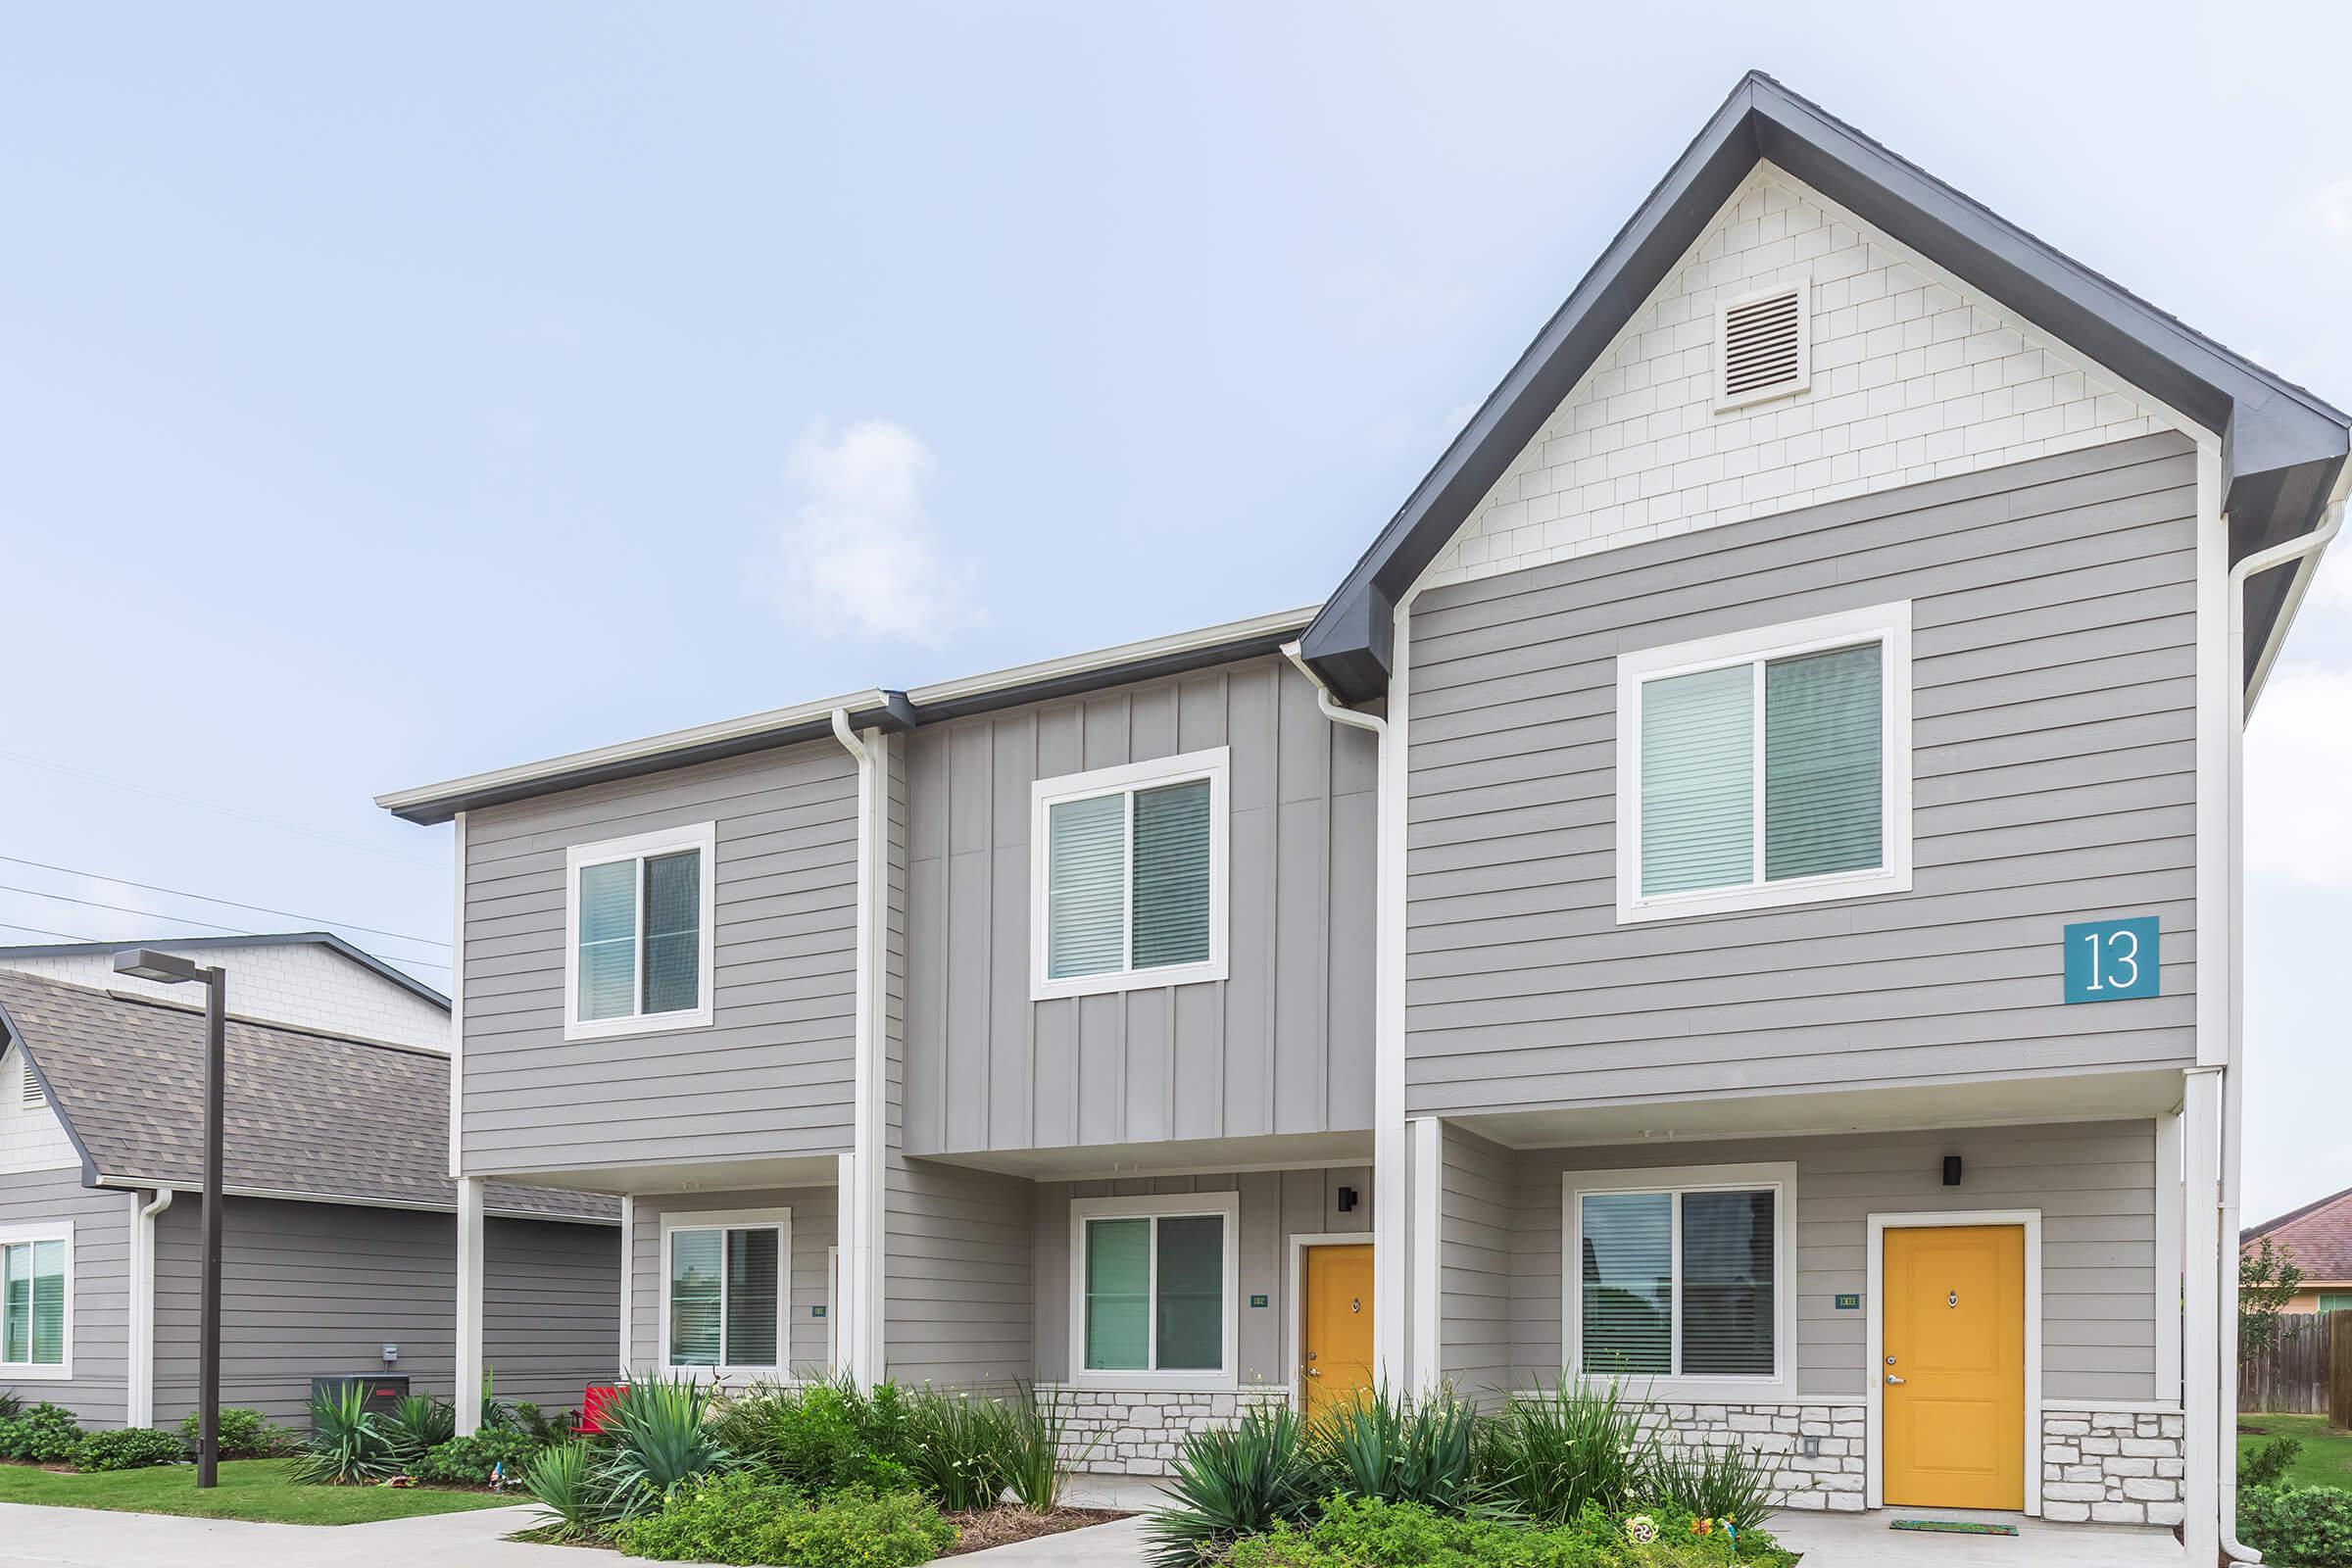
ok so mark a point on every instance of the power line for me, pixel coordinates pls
(175, 919)
(206, 898)
(43, 931)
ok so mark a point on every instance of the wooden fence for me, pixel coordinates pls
(2308, 1371)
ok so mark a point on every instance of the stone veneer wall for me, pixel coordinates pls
(2111, 1467)
(1830, 1479)
(1127, 1432)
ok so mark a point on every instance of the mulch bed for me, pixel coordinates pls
(1002, 1526)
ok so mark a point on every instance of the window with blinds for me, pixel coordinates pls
(1766, 768)
(1678, 1281)
(640, 947)
(33, 1287)
(725, 1306)
(1154, 1295)
(1130, 877)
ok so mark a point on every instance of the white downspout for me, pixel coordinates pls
(2234, 1106)
(861, 1193)
(1390, 1146)
(140, 1404)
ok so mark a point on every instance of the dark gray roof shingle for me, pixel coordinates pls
(308, 1113)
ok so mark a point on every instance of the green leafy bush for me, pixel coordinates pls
(1728, 1483)
(527, 1418)
(46, 1434)
(1366, 1533)
(479, 1459)
(821, 1438)
(348, 1445)
(416, 1425)
(573, 1504)
(2308, 1526)
(1239, 1481)
(747, 1518)
(131, 1449)
(659, 1441)
(960, 1445)
(1038, 1457)
(1403, 1449)
(11, 1404)
(244, 1434)
(1545, 1457)
(2268, 1464)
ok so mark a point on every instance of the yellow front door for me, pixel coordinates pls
(1954, 1376)
(1334, 1356)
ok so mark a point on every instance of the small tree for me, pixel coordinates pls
(2267, 1280)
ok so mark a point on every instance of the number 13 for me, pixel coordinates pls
(2128, 959)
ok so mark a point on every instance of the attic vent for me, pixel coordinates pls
(1767, 350)
(28, 1090)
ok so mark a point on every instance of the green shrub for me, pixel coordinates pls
(45, 1434)
(2268, 1464)
(960, 1445)
(1037, 1460)
(573, 1503)
(1366, 1533)
(748, 1518)
(2308, 1526)
(820, 1438)
(1402, 1449)
(542, 1428)
(11, 1405)
(1712, 1484)
(1545, 1457)
(1235, 1482)
(348, 1445)
(416, 1425)
(244, 1434)
(132, 1448)
(659, 1441)
(477, 1461)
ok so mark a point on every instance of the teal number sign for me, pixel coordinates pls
(2112, 961)
(1849, 1303)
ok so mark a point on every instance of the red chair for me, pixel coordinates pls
(595, 1404)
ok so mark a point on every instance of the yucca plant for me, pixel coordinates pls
(1038, 1460)
(573, 1503)
(348, 1445)
(659, 1442)
(1399, 1448)
(416, 1425)
(1238, 1480)
(959, 1446)
(1545, 1456)
(1727, 1483)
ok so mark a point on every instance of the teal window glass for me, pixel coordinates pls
(1086, 887)
(673, 931)
(1824, 775)
(1155, 1293)
(1172, 875)
(608, 928)
(1626, 1240)
(1697, 781)
(694, 1293)
(1727, 1285)
(2335, 1301)
(1191, 1328)
(1118, 1294)
(32, 1304)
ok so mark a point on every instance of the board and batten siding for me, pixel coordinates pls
(816, 1219)
(2054, 760)
(97, 1393)
(318, 1290)
(771, 1076)
(1284, 1044)
(1275, 1206)
(2094, 1184)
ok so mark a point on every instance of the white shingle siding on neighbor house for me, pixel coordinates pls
(1914, 376)
(303, 983)
(31, 1138)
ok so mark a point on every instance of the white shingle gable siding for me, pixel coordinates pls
(1914, 376)
(31, 1138)
(304, 984)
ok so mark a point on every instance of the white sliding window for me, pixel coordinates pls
(37, 1307)
(1153, 1289)
(638, 940)
(725, 1291)
(1128, 876)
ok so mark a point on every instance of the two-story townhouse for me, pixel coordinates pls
(1737, 892)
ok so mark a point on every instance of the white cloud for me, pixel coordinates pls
(860, 554)
(2330, 208)
(2298, 754)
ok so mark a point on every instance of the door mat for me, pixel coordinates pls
(1953, 1527)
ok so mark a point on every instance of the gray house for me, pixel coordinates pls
(1735, 892)
(339, 1240)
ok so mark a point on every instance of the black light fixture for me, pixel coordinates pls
(1345, 1201)
(1951, 1171)
(167, 968)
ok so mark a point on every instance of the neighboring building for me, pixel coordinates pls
(1638, 933)
(306, 979)
(339, 1245)
(2319, 1238)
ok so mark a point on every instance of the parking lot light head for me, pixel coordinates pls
(163, 967)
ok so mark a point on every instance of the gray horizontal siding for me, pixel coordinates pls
(96, 1394)
(772, 1074)
(1476, 1349)
(1275, 1206)
(2094, 1184)
(311, 1290)
(1282, 1045)
(2054, 738)
(816, 1217)
(956, 1276)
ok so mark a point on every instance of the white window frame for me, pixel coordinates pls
(1169, 1206)
(778, 1220)
(57, 1230)
(1132, 779)
(1778, 1176)
(1887, 625)
(702, 837)
(1725, 401)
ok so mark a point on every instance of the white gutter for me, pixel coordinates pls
(2233, 1103)
(1136, 653)
(139, 1395)
(860, 1182)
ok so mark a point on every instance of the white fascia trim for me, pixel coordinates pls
(1888, 625)
(281, 1194)
(44, 1230)
(702, 837)
(1214, 765)
(731, 1219)
(1874, 1361)
(1225, 1205)
(1136, 653)
(1777, 1175)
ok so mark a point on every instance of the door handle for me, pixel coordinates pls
(1893, 1381)
(1314, 1372)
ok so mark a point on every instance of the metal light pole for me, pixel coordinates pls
(168, 970)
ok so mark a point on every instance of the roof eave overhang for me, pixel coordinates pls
(2283, 448)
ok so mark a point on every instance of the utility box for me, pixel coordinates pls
(384, 1389)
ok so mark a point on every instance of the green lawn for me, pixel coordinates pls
(249, 1489)
(2327, 1457)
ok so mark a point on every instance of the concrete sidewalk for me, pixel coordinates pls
(1866, 1541)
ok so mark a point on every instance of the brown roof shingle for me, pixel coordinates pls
(2319, 1234)
(308, 1113)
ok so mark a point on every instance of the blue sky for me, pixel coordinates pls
(389, 395)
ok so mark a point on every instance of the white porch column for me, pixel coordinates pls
(628, 1265)
(1429, 1184)
(2201, 1329)
(468, 1395)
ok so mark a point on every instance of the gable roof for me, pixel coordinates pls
(310, 1115)
(2282, 447)
(325, 939)
(2319, 1233)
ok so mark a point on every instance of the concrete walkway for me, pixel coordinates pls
(1866, 1540)
(88, 1538)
